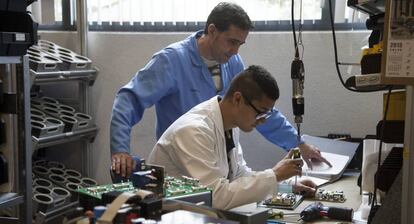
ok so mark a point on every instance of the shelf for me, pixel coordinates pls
(81, 134)
(63, 76)
(10, 199)
(54, 213)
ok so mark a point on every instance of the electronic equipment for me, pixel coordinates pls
(186, 189)
(17, 29)
(331, 196)
(317, 210)
(283, 201)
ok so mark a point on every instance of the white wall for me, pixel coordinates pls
(329, 108)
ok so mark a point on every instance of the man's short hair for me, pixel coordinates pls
(226, 14)
(254, 83)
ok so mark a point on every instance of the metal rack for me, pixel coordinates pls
(88, 76)
(86, 79)
(83, 134)
(17, 101)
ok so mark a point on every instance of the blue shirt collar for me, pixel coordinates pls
(194, 51)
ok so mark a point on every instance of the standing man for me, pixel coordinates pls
(204, 143)
(185, 74)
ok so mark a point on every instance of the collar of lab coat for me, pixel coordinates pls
(216, 116)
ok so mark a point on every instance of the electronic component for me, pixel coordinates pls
(187, 189)
(124, 206)
(283, 200)
(144, 176)
(332, 196)
(92, 196)
(186, 185)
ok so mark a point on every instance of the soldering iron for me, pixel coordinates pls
(297, 74)
(298, 101)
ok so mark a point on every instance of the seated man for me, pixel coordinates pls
(204, 143)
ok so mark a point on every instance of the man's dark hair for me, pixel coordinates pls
(254, 83)
(226, 14)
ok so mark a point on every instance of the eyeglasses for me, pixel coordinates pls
(260, 114)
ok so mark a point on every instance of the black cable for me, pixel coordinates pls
(337, 63)
(293, 30)
(384, 119)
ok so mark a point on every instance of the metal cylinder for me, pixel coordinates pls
(67, 108)
(88, 182)
(73, 189)
(75, 180)
(41, 190)
(56, 164)
(42, 182)
(60, 180)
(50, 100)
(40, 170)
(72, 173)
(57, 171)
(42, 202)
(60, 195)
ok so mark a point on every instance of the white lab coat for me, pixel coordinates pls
(195, 146)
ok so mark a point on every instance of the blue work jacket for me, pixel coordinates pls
(175, 80)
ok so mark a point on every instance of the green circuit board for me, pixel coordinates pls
(283, 201)
(97, 191)
(186, 185)
(173, 187)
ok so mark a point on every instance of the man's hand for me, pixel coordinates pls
(122, 163)
(288, 167)
(310, 152)
(305, 187)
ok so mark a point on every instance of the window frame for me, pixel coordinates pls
(270, 25)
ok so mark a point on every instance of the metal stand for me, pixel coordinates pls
(407, 214)
(19, 106)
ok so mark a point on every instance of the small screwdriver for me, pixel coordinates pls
(296, 155)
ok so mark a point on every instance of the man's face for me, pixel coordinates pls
(227, 43)
(253, 113)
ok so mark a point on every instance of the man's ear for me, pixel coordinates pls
(211, 28)
(237, 98)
